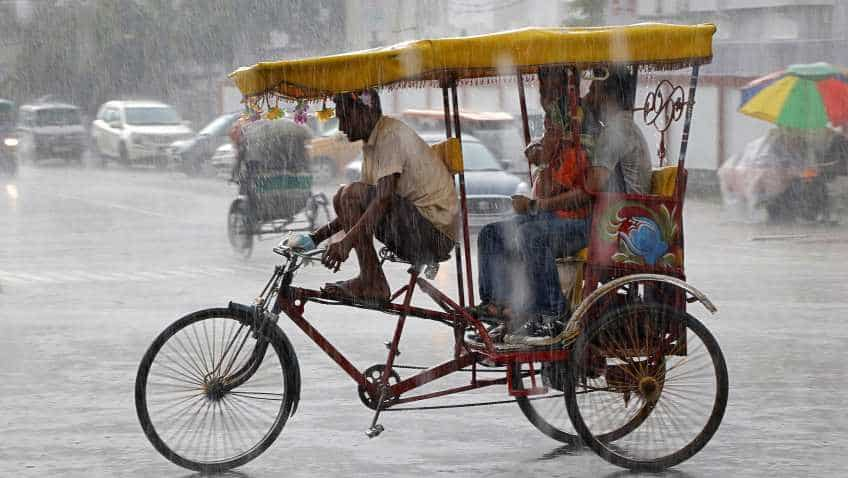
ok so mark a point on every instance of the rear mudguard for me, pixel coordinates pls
(578, 318)
(289, 355)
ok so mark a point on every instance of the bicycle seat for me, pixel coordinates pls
(430, 268)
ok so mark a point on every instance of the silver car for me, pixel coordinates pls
(488, 186)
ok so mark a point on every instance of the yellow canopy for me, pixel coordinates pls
(496, 54)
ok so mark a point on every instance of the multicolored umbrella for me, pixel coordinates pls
(807, 96)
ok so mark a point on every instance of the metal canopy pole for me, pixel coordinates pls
(463, 202)
(524, 122)
(456, 250)
(684, 141)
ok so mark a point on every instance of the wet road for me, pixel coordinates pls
(95, 263)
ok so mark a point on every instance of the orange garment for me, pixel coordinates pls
(556, 179)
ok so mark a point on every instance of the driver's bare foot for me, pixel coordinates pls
(359, 288)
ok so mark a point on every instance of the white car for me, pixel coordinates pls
(224, 159)
(137, 131)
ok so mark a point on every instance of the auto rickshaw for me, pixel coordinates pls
(634, 375)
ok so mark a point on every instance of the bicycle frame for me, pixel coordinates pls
(292, 302)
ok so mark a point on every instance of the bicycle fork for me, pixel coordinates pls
(375, 429)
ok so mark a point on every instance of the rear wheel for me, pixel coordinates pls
(240, 228)
(546, 412)
(210, 395)
(655, 368)
(549, 412)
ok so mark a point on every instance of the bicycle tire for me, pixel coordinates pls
(653, 317)
(241, 401)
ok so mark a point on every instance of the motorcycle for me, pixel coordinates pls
(785, 174)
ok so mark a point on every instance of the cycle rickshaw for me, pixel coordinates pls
(633, 376)
(275, 184)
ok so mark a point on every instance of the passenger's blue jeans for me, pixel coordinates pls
(517, 260)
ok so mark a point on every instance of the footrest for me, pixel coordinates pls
(502, 347)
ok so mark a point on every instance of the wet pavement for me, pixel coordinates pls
(95, 263)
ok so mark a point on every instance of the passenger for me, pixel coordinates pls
(406, 200)
(621, 160)
(519, 252)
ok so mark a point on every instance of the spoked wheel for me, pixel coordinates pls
(656, 374)
(210, 395)
(546, 412)
(549, 413)
(240, 229)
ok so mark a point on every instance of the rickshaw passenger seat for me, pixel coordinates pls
(663, 182)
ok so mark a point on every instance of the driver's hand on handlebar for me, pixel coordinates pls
(336, 254)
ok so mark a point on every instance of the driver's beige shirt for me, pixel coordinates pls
(395, 148)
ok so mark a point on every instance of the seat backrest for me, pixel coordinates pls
(663, 181)
(450, 152)
(639, 232)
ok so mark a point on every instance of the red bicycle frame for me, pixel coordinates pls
(292, 301)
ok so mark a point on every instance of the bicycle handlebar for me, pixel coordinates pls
(288, 251)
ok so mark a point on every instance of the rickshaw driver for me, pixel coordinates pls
(406, 200)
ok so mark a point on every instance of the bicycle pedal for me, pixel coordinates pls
(374, 431)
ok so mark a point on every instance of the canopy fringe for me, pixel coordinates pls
(493, 78)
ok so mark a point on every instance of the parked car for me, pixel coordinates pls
(224, 159)
(8, 139)
(489, 188)
(50, 131)
(135, 132)
(499, 131)
(191, 155)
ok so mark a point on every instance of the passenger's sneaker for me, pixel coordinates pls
(496, 333)
(536, 331)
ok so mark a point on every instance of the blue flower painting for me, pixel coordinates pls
(643, 238)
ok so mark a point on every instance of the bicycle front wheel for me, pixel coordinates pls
(211, 394)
